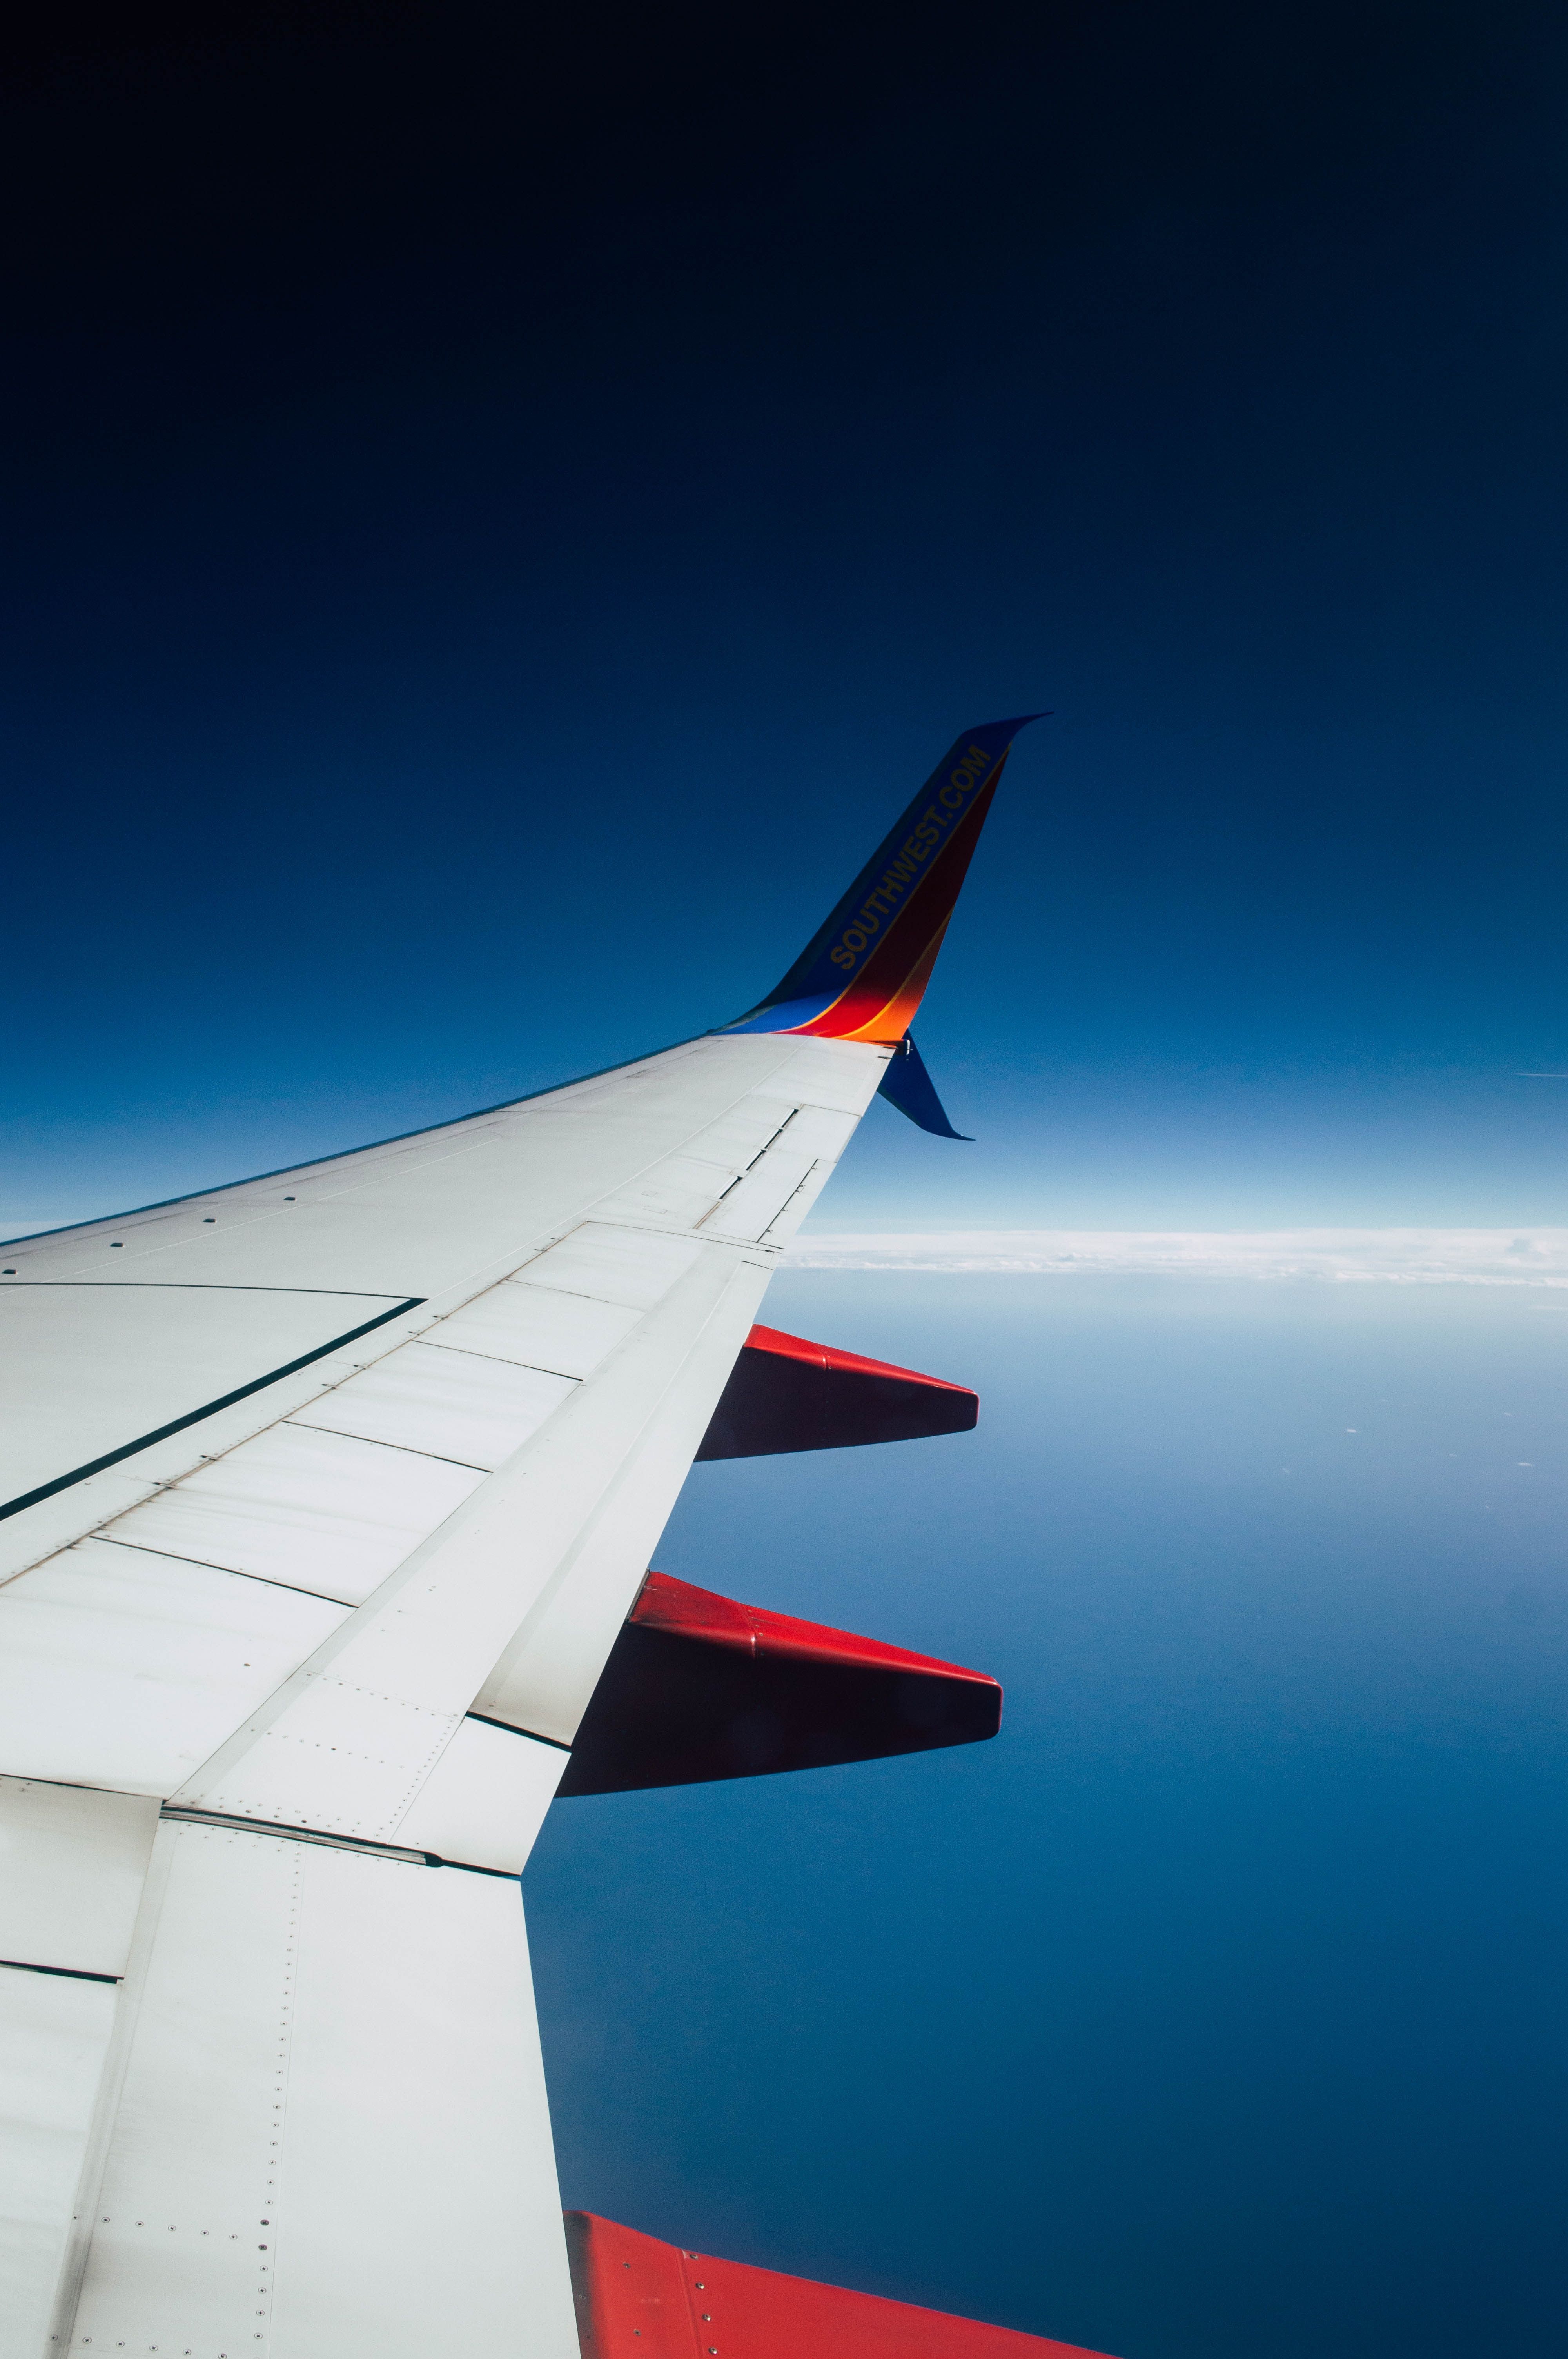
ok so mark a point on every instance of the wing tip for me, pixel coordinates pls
(864, 971)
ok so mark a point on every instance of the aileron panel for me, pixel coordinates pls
(297, 2007)
(54, 2038)
(326, 1512)
(123, 1669)
(448, 1403)
(72, 1861)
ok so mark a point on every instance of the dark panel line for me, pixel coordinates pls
(229, 1572)
(467, 1867)
(338, 1433)
(199, 1286)
(224, 1822)
(513, 1729)
(399, 1857)
(69, 1973)
(179, 1424)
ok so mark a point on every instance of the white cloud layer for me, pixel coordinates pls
(1531, 1256)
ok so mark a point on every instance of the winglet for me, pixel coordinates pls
(907, 1084)
(864, 971)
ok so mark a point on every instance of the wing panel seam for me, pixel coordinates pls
(210, 1408)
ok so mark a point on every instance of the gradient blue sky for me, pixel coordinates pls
(497, 514)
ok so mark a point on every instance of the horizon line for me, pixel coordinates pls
(1527, 1255)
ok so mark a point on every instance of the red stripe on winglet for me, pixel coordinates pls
(786, 1394)
(639, 2298)
(825, 1355)
(700, 1687)
(666, 1604)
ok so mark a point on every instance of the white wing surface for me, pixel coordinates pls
(326, 1496)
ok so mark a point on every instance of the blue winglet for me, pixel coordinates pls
(861, 974)
(907, 1084)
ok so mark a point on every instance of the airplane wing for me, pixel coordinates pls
(328, 1499)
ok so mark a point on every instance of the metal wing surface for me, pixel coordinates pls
(325, 1498)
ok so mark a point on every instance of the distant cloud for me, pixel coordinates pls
(1342, 1256)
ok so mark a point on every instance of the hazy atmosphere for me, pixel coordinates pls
(498, 517)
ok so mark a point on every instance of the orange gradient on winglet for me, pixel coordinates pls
(880, 1002)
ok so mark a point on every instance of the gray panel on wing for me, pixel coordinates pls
(71, 1864)
(335, 2072)
(54, 2036)
(749, 1209)
(328, 1512)
(613, 1265)
(539, 1328)
(839, 1073)
(123, 1669)
(454, 1405)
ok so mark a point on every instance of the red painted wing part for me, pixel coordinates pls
(861, 975)
(699, 1687)
(639, 2298)
(786, 1395)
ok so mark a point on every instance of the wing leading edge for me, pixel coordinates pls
(330, 1496)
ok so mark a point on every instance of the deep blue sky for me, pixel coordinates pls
(498, 513)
